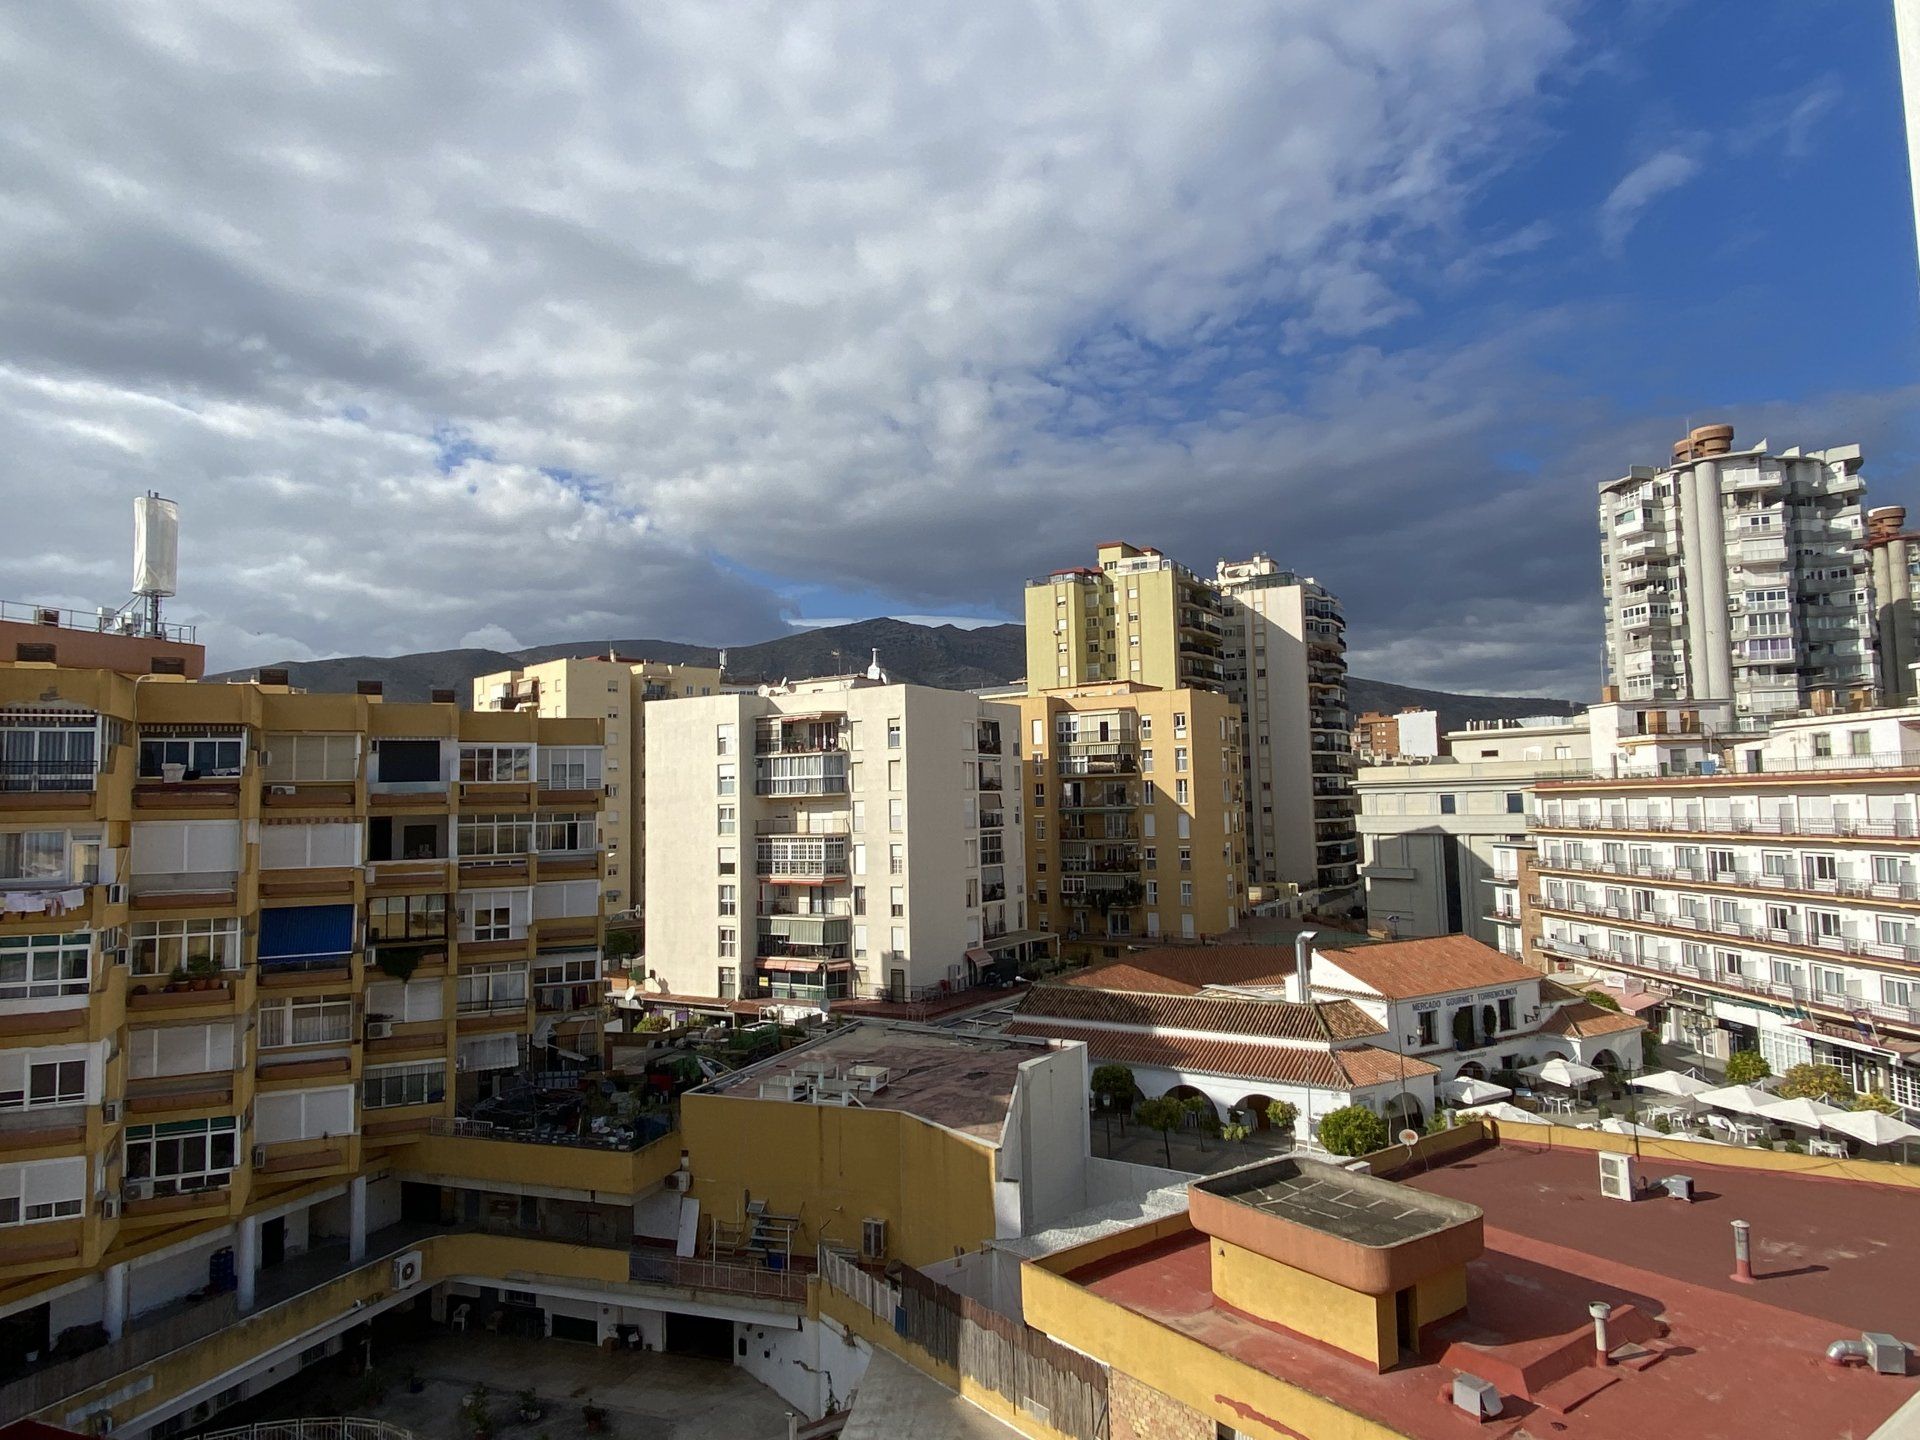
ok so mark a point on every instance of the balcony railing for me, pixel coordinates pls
(46, 775)
(1724, 825)
(1817, 889)
(1760, 935)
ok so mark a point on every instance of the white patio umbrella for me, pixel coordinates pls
(1570, 1074)
(1465, 1090)
(1672, 1082)
(1627, 1127)
(1505, 1113)
(1741, 1098)
(1810, 1113)
(1870, 1127)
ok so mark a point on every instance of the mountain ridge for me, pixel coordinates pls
(946, 656)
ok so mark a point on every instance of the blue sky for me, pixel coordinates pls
(698, 324)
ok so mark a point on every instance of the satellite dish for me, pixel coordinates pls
(1409, 1138)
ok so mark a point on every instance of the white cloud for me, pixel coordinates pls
(1652, 178)
(559, 322)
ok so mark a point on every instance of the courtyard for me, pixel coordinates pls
(645, 1395)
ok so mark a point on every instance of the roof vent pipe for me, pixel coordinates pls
(1848, 1352)
(1303, 966)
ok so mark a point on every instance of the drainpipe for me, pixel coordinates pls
(1742, 1252)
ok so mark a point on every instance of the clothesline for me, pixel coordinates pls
(42, 902)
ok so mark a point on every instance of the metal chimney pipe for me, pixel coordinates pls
(1743, 1252)
(1303, 965)
(1602, 1352)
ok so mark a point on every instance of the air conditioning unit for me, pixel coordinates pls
(259, 1155)
(137, 1190)
(280, 790)
(379, 1029)
(406, 1270)
(110, 1112)
(873, 1239)
(679, 1181)
(116, 894)
(110, 1207)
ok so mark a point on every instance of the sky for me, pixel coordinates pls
(497, 325)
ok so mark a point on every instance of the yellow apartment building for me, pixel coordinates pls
(1136, 815)
(615, 691)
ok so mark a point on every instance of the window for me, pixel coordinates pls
(162, 946)
(1887, 870)
(1180, 757)
(1182, 792)
(1860, 742)
(28, 1082)
(407, 917)
(488, 988)
(183, 1156)
(896, 815)
(729, 900)
(560, 832)
(1896, 992)
(896, 859)
(1819, 871)
(482, 835)
(1505, 1012)
(1186, 892)
(1828, 981)
(308, 1020)
(199, 757)
(570, 767)
(1183, 823)
(1146, 727)
(1729, 962)
(1179, 724)
(723, 740)
(893, 733)
(34, 857)
(1153, 892)
(729, 943)
(1186, 857)
(418, 1083)
(1425, 1021)
(496, 764)
(1148, 794)
(1146, 762)
(1823, 924)
(726, 779)
(1150, 857)
(859, 899)
(1449, 804)
(1516, 802)
(727, 858)
(43, 1190)
(292, 758)
(727, 981)
(304, 846)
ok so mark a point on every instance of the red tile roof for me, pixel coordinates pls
(1328, 1069)
(1273, 1019)
(1584, 1019)
(1405, 969)
(1184, 969)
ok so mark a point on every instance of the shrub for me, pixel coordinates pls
(1234, 1132)
(1815, 1082)
(1663, 1124)
(1282, 1114)
(1163, 1114)
(1112, 1085)
(1441, 1121)
(1353, 1130)
(1744, 1067)
(1874, 1100)
(1603, 1000)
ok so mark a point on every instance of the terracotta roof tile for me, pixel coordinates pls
(1403, 969)
(1271, 1019)
(1370, 1065)
(1328, 1069)
(1584, 1019)
(1183, 969)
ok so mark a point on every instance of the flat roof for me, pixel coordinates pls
(1352, 1207)
(959, 1081)
(1832, 1257)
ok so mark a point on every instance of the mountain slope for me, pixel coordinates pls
(942, 655)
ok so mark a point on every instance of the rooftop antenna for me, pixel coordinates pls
(874, 672)
(723, 662)
(156, 560)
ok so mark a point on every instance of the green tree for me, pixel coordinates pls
(622, 944)
(1282, 1113)
(1747, 1067)
(1603, 1000)
(1354, 1130)
(1874, 1100)
(1164, 1114)
(1112, 1085)
(1815, 1082)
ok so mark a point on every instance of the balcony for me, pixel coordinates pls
(310, 795)
(46, 785)
(393, 877)
(180, 1097)
(43, 1127)
(799, 735)
(222, 794)
(801, 776)
(815, 859)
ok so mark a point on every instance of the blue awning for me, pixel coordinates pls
(303, 932)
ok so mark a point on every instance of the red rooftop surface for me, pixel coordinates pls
(1700, 1355)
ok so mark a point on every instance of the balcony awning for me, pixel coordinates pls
(792, 967)
(305, 931)
(1636, 1001)
(979, 956)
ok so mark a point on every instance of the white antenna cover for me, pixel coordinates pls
(156, 546)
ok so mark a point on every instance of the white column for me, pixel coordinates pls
(357, 1219)
(115, 1318)
(246, 1260)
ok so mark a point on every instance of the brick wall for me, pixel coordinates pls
(1139, 1412)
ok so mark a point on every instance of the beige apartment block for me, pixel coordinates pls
(614, 690)
(835, 838)
(1138, 825)
(1272, 640)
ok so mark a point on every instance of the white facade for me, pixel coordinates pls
(833, 838)
(1285, 665)
(1430, 834)
(1737, 576)
(1774, 907)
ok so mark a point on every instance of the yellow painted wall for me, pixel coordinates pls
(835, 1167)
(618, 1175)
(1180, 1366)
(1360, 1324)
(1738, 1157)
(1439, 1296)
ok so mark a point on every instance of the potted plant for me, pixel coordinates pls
(594, 1418)
(529, 1405)
(1281, 1114)
(178, 979)
(201, 972)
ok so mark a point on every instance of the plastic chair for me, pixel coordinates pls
(459, 1320)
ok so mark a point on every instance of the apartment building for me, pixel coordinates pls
(254, 944)
(615, 691)
(835, 838)
(1766, 899)
(1433, 832)
(1286, 665)
(1137, 815)
(1737, 576)
(1271, 640)
(1408, 734)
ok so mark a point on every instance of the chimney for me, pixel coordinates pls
(371, 688)
(443, 697)
(1303, 966)
(271, 677)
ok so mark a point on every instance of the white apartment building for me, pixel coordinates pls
(1738, 577)
(1432, 832)
(1284, 656)
(835, 838)
(1772, 902)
